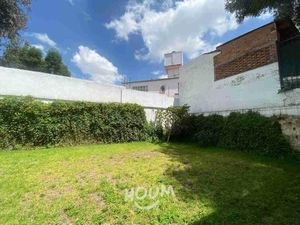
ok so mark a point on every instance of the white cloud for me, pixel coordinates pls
(124, 26)
(186, 26)
(159, 74)
(156, 72)
(38, 46)
(266, 15)
(44, 38)
(164, 76)
(98, 67)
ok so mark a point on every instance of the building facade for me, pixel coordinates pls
(246, 73)
(167, 86)
(173, 62)
(170, 85)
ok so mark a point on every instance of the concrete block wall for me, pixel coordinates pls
(15, 82)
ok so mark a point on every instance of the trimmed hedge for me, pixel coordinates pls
(29, 122)
(239, 131)
(254, 132)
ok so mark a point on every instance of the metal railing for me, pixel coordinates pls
(289, 63)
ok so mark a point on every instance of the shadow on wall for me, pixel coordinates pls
(238, 188)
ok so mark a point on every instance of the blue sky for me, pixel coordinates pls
(110, 40)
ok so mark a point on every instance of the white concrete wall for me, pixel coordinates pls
(15, 82)
(173, 58)
(171, 85)
(256, 89)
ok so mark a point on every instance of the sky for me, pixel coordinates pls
(110, 41)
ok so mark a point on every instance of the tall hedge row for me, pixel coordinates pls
(254, 132)
(239, 131)
(29, 122)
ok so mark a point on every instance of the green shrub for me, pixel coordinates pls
(154, 133)
(6, 141)
(247, 132)
(173, 122)
(254, 132)
(208, 129)
(25, 121)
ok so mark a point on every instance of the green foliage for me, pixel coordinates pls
(155, 133)
(31, 58)
(12, 17)
(63, 70)
(247, 132)
(11, 57)
(282, 9)
(253, 132)
(54, 64)
(24, 56)
(208, 129)
(171, 120)
(28, 122)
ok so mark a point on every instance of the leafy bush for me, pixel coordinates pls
(25, 121)
(254, 132)
(172, 121)
(208, 129)
(154, 133)
(248, 132)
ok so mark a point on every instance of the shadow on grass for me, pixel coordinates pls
(240, 188)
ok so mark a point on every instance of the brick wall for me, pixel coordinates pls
(250, 51)
(173, 70)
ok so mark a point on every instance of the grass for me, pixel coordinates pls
(86, 185)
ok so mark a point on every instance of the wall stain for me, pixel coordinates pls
(237, 81)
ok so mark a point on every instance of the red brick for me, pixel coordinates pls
(247, 52)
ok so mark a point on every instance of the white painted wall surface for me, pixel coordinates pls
(173, 58)
(15, 82)
(255, 89)
(171, 85)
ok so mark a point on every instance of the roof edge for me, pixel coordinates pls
(140, 81)
(245, 34)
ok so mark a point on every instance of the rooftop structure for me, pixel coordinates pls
(173, 62)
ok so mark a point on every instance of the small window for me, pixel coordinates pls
(140, 88)
(162, 89)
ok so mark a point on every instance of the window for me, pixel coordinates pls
(162, 89)
(140, 88)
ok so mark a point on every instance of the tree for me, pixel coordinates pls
(281, 9)
(26, 57)
(64, 70)
(12, 17)
(53, 61)
(31, 58)
(54, 64)
(10, 56)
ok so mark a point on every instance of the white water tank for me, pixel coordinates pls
(173, 61)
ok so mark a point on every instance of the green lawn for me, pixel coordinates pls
(86, 185)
